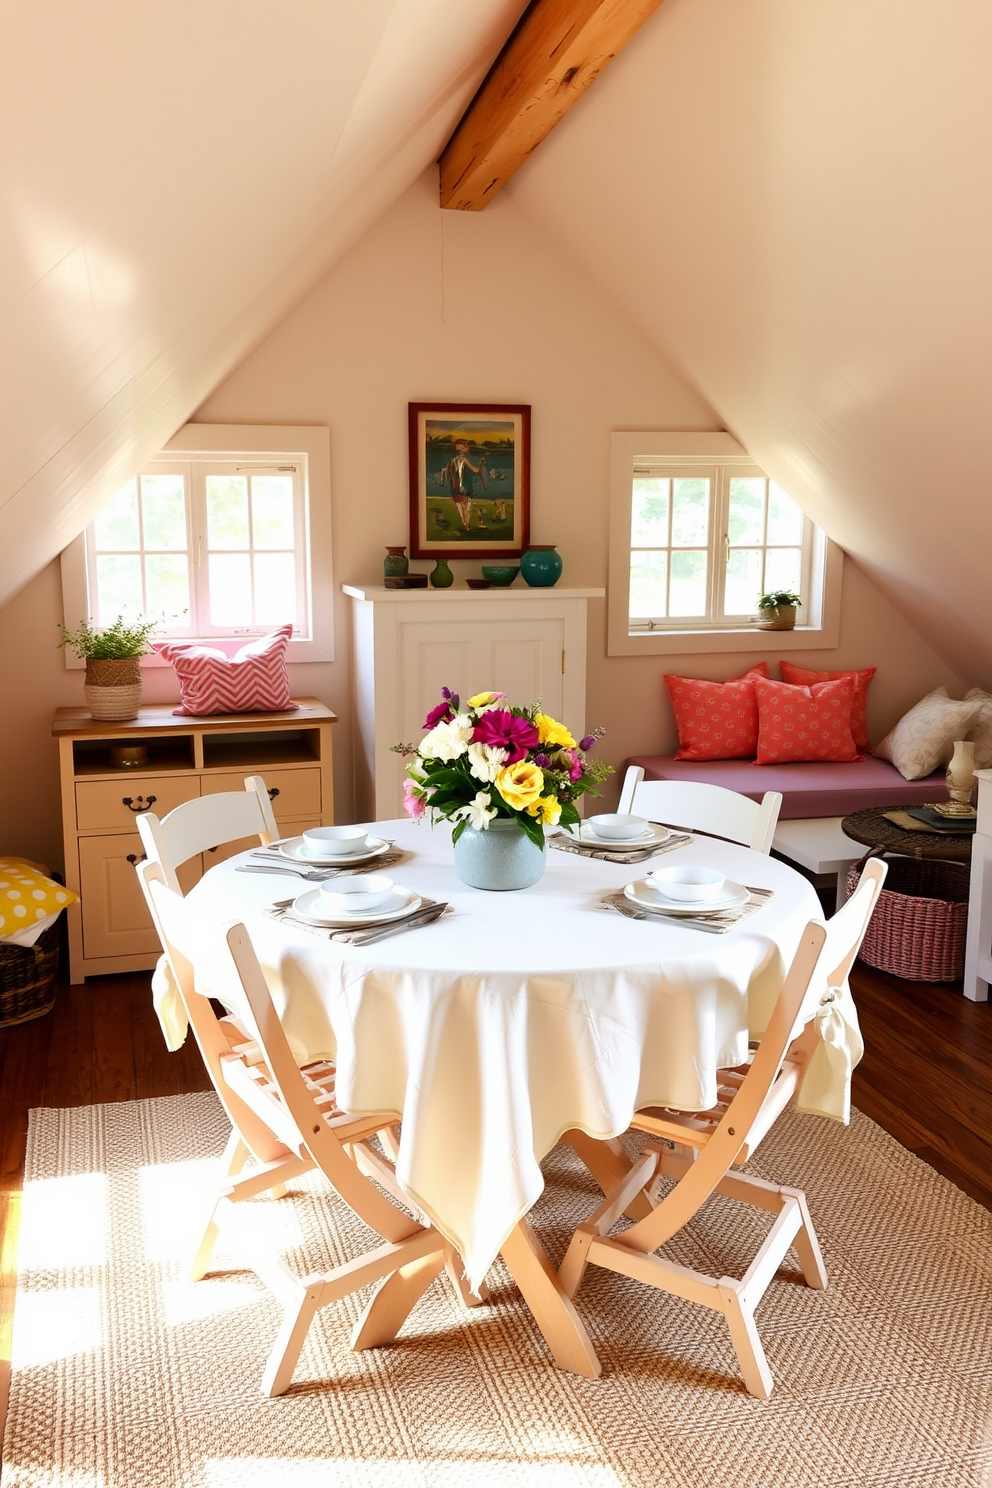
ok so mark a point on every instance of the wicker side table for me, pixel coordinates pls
(872, 828)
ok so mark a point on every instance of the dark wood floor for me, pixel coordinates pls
(926, 1077)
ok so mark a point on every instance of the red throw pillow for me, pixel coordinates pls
(253, 680)
(859, 703)
(716, 720)
(805, 723)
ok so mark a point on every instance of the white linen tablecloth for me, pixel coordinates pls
(518, 1016)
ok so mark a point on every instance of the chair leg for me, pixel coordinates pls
(744, 1336)
(290, 1338)
(455, 1267)
(554, 1312)
(806, 1245)
(394, 1301)
(234, 1157)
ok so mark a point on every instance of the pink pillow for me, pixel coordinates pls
(859, 704)
(716, 720)
(253, 680)
(805, 723)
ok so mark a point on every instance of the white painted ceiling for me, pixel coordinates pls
(175, 175)
(793, 200)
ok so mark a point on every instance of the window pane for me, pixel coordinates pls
(785, 518)
(163, 506)
(275, 588)
(230, 589)
(117, 525)
(690, 516)
(747, 510)
(227, 512)
(272, 511)
(743, 581)
(687, 595)
(648, 572)
(782, 568)
(167, 586)
(118, 588)
(649, 512)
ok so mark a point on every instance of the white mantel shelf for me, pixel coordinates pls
(378, 592)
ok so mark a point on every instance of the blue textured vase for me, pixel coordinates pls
(541, 566)
(502, 857)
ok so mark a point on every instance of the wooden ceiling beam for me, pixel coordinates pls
(558, 48)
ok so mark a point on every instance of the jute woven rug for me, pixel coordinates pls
(127, 1376)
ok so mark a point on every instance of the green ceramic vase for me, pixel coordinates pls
(502, 857)
(541, 566)
(441, 575)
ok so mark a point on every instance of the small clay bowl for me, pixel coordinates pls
(479, 583)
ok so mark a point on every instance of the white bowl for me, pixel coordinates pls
(693, 885)
(614, 824)
(324, 842)
(356, 893)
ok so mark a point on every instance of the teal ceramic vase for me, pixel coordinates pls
(441, 575)
(541, 566)
(395, 564)
(502, 857)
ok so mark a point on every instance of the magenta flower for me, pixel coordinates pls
(500, 728)
(441, 714)
(574, 765)
(413, 803)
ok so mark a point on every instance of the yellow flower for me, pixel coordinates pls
(482, 699)
(520, 784)
(551, 732)
(547, 810)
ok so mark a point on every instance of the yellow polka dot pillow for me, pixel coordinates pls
(26, 895)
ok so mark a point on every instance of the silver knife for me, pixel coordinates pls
(424, 917)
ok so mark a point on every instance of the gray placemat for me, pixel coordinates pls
(610, 855)
(715, 924)
(283, 910)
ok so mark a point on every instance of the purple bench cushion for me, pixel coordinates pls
(808, 789)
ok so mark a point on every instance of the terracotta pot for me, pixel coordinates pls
(778, 617)
(113, 688)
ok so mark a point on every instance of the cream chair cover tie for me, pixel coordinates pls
(825, 1089)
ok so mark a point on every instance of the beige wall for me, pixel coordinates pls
(464, 306)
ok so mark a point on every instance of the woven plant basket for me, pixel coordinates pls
(920, 921)
(113, 688)
(27, 977)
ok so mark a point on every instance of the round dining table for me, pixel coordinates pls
(518, 1016)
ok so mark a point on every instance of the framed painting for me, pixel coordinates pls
(469, 480)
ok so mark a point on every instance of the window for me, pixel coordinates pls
(698, 532)
(215, 538)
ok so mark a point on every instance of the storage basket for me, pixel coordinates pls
(920, 921)
(27, 977)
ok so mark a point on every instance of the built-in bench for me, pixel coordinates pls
(815, 799)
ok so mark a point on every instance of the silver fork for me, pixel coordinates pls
(311, 875)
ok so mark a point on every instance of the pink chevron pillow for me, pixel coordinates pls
(253, 680)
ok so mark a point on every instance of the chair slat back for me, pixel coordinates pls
(696, 806)
(207, 822)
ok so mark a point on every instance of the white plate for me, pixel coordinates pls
(401, 902)
(645, 897)
(295, 848)
(653, 837)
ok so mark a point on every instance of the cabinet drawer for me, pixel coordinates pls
(100, 804)
(115, 918)
(293, 792)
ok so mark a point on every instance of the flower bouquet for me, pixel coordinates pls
(490, 762)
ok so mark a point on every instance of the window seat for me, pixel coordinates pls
(809, 789)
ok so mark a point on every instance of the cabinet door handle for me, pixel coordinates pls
(135, 858)
(141, 804)
(273, 792)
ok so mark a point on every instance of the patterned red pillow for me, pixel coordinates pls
(805, 723)
(859, 704)
(253, 680)
(716, 720)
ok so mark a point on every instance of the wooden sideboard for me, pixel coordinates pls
(109, 929)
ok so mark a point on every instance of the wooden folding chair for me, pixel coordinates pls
(693, 805)
(708, 1145)
(288, 1119)
(207, 822)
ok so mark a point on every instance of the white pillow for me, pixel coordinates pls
(981, 729)
(923, 737)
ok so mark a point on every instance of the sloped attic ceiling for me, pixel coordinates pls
(175, 175)
(794, 202)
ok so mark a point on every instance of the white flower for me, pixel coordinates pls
(447, 741)
(477, 813)
(486, 760)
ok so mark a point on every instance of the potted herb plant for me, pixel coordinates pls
(113, 670)
(777, 609)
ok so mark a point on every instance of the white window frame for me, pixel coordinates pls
(254, 446)
(720, 456)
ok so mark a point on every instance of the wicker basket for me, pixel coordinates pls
(920, 921)
(27, 977)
